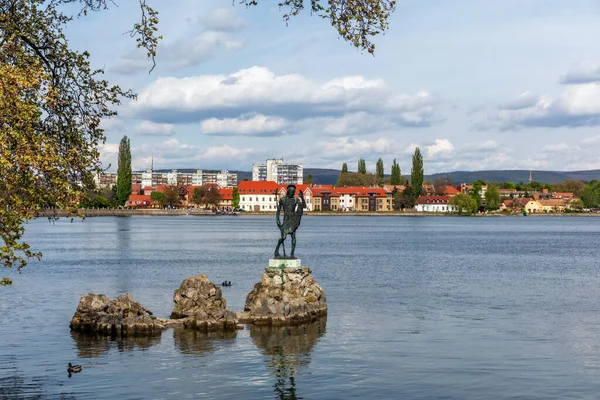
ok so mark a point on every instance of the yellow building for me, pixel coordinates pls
(553, 205)
(533, 206)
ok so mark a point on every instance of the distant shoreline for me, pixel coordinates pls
(182, 212)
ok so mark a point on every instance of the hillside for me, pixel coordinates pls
(329, 176)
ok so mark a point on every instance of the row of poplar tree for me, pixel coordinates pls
(405, 198)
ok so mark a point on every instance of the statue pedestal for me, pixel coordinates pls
(285, 296)
(285, 263)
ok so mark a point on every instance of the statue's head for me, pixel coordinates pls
(291, 190)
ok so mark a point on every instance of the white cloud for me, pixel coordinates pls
(560, 148)
(108, 154)
(174, 154)
(150, 128)
(441, 147)
(591, 140)
(224, 19)
(293, 96)
(181, 54)
(584, 72)
(576, 106)
(524, 100)
(255, 125)
(346, 147)
(112, 124)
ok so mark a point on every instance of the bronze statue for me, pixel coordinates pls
(293, 208)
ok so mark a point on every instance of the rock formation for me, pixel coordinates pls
(118, 318)
(199, 302)
(285, 296)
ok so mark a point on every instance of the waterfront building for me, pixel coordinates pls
(152, 179)
(434, 204)
(138, 201)
(276, 170)
(258, 195)
(105, 180)
(352, 198)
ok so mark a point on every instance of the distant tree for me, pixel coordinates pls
(492, 197)
(507, 185)
(172, 196)
(94, 199)
(475, 192)
(309, 179)
(379, 171)
(235, 202)
(362, 166)
(416, 174)
(124, 171)
(570, 186)
(356, 179)
(158, 197)
(213, 196)
(535, 186)
(404, 199)
(344, 168)
(439, 186)
(576, 204)
(396, 177)
(549, 187)
(590, 196)
(199, 195)
(464, 203)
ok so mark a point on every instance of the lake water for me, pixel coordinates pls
(419, 308)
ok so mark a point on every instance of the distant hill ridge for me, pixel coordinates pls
(330, 176)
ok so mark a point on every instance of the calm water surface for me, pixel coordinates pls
(419, 308)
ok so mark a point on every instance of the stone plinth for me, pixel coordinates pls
(200, 304)
(121, 317)
(285, 263)
(285, 296)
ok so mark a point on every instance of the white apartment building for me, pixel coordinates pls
(258, 196)
(150, 178)
(276, 170)
(434, 204)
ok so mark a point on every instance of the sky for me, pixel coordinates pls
(474, 84)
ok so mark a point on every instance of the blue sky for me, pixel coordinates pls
(476, 85)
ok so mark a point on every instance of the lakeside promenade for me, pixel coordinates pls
(174, 212)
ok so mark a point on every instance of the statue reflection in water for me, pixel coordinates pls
(287, 350)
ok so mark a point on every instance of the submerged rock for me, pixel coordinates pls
(121, 317)
(200, 303)
(285, 296)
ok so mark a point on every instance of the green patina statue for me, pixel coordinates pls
(293, 208)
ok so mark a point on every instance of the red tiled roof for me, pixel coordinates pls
(226, 193)
(451, 191)
(136, 187)
(139, 200)
(553, 202)
(432, 200)
(559, 195)
(252, 187)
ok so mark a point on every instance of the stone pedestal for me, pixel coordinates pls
(285, 263)
(199, 303)
(285, 296)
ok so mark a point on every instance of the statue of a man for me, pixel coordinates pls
(293, 208)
